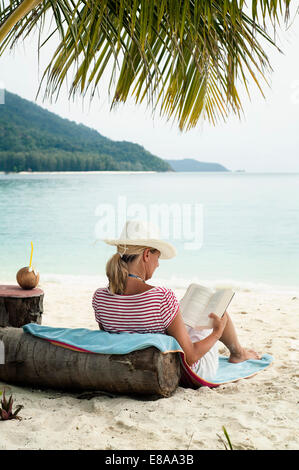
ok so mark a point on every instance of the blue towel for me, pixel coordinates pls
(228, 372)
(102, 342)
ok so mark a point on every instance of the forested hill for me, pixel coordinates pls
(33, 138)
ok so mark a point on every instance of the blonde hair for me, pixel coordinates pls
(117, 266)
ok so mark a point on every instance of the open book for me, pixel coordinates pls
(199, 301)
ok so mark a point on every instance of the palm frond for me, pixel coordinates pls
(188, 58)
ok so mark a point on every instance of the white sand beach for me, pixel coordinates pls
(259, 413)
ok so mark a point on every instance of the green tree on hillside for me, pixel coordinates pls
(32, 138)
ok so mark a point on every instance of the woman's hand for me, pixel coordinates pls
(193, 351)
(218, 324)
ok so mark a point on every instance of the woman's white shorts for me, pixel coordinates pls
(206, 367)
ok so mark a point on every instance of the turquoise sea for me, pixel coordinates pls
(248, 223)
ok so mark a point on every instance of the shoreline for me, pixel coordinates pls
(152, 171)
(170, 282)
(75, 172)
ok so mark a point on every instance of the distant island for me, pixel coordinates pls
(34, 139)
(189, 164)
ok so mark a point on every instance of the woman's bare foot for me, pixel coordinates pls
(244, 355)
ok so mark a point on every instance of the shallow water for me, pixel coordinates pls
(243, 226)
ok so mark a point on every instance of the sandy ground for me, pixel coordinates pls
(259, 413)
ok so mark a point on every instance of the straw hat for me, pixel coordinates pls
(139, 232)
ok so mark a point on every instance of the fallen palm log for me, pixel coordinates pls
(36, 362)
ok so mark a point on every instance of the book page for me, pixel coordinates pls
(218, 303)
(198, 302)
(194, 302)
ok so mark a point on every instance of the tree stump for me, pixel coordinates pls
(38, 363)
(19, 306)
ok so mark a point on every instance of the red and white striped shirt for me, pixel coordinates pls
(151, 311)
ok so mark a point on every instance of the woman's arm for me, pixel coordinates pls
(195, 351)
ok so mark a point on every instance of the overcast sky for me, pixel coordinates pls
(267, 138)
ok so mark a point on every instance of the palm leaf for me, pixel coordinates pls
(187, 58)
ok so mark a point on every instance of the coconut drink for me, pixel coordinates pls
(28, 277)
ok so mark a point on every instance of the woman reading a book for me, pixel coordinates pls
(130, 304)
